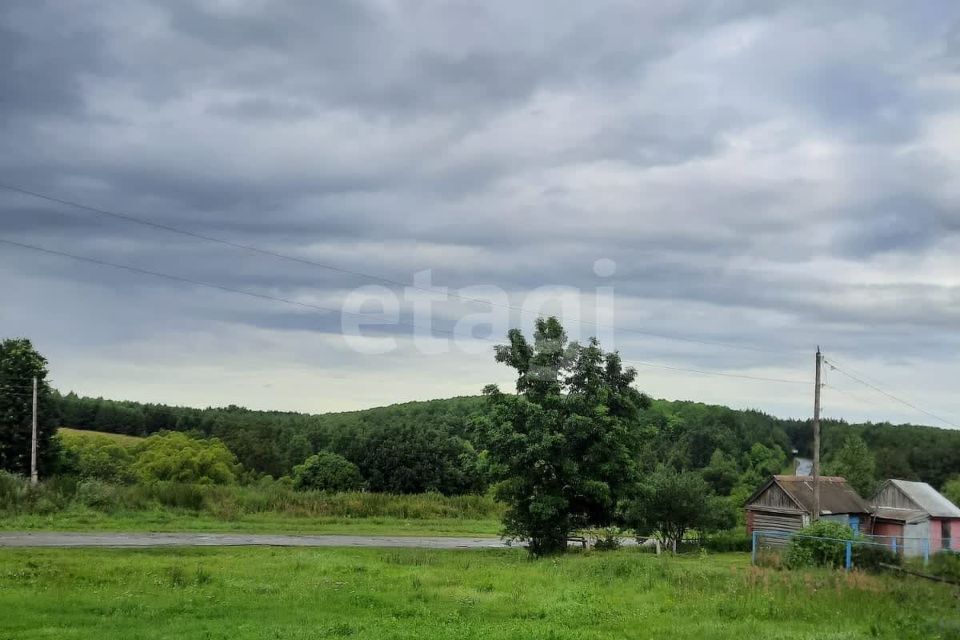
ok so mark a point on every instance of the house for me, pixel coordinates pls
(784, 504)
(916, 516)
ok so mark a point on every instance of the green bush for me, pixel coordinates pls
(92, 457)
(820, 544)
(176, 457)
(327, 471)
(945, 564)
(732, 540)
(97, 494)
(871, 556)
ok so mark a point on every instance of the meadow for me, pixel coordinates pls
(241, 593)
(64, 504)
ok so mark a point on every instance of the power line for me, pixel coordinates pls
(262, 296)
(292, 258)
(718, 373)
(834, 366)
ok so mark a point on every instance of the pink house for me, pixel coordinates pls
(915, 517)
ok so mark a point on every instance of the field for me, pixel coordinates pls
(335, 593)
(127, 441)
(167, 520)
(65, 505)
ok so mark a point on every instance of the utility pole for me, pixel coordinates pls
(34, 478)
(816, 441)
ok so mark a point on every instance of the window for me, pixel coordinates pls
(945, 533)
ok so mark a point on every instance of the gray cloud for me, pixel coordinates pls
(766, 174)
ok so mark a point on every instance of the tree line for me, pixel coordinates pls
(574, 417)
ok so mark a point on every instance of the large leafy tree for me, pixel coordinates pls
(564, 446)
(855, 463)
(19, 364)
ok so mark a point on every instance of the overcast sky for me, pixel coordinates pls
(759, 177)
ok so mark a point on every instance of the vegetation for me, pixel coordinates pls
(824, 544)
(239, 593)
(682, 435)
(268, 506)
(19, 365)
(564, 447)
(327, 472)
(855, 463)
(668, 504)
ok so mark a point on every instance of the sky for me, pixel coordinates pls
(353, 201)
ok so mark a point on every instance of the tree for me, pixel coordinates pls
(951, 490)
(95, 457)
(670, 503)
(177, 457)
(411, 459)
(855, 463)
(722, 473)
(327, 471)
(19, 364)
(564, 447)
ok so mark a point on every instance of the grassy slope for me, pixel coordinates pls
(127, 441)
(367, 593)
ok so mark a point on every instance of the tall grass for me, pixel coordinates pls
(18, 497)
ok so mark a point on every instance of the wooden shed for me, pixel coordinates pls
(785, 504)
(920, 518)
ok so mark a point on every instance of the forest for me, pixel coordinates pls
(434, 442)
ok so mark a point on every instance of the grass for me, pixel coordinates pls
(127, 441)
(68, 505)
(368, 593)
(167, 520)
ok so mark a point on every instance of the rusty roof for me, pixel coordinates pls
(836, 496)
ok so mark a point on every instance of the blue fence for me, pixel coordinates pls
(778, 541)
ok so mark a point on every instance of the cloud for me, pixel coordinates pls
(763, 174)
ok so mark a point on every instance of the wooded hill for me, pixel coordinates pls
(424, 446)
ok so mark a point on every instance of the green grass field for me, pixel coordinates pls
(165, 520)
(116, 437)
(380, 594)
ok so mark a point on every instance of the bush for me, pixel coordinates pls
(327, 471)
(176, 457)
(945, 564)
(96, 494)
(871, 556)
(608, 539)
(820, 544)
(92, 457)
(732, 540)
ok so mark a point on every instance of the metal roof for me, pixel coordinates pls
(928, 499)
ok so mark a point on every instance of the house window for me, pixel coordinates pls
(945, 533)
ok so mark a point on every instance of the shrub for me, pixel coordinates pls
(327, 471)
(96, 457)
(608, 539)
(96, 494)
(820, 544)
(945, 564)
(176, 457)
(871, 556)
(732, 540)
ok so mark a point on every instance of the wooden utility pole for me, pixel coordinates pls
(816, 441)
(34, 477)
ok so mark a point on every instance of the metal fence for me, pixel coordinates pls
(769, 547)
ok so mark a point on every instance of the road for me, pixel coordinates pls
(137, 540)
